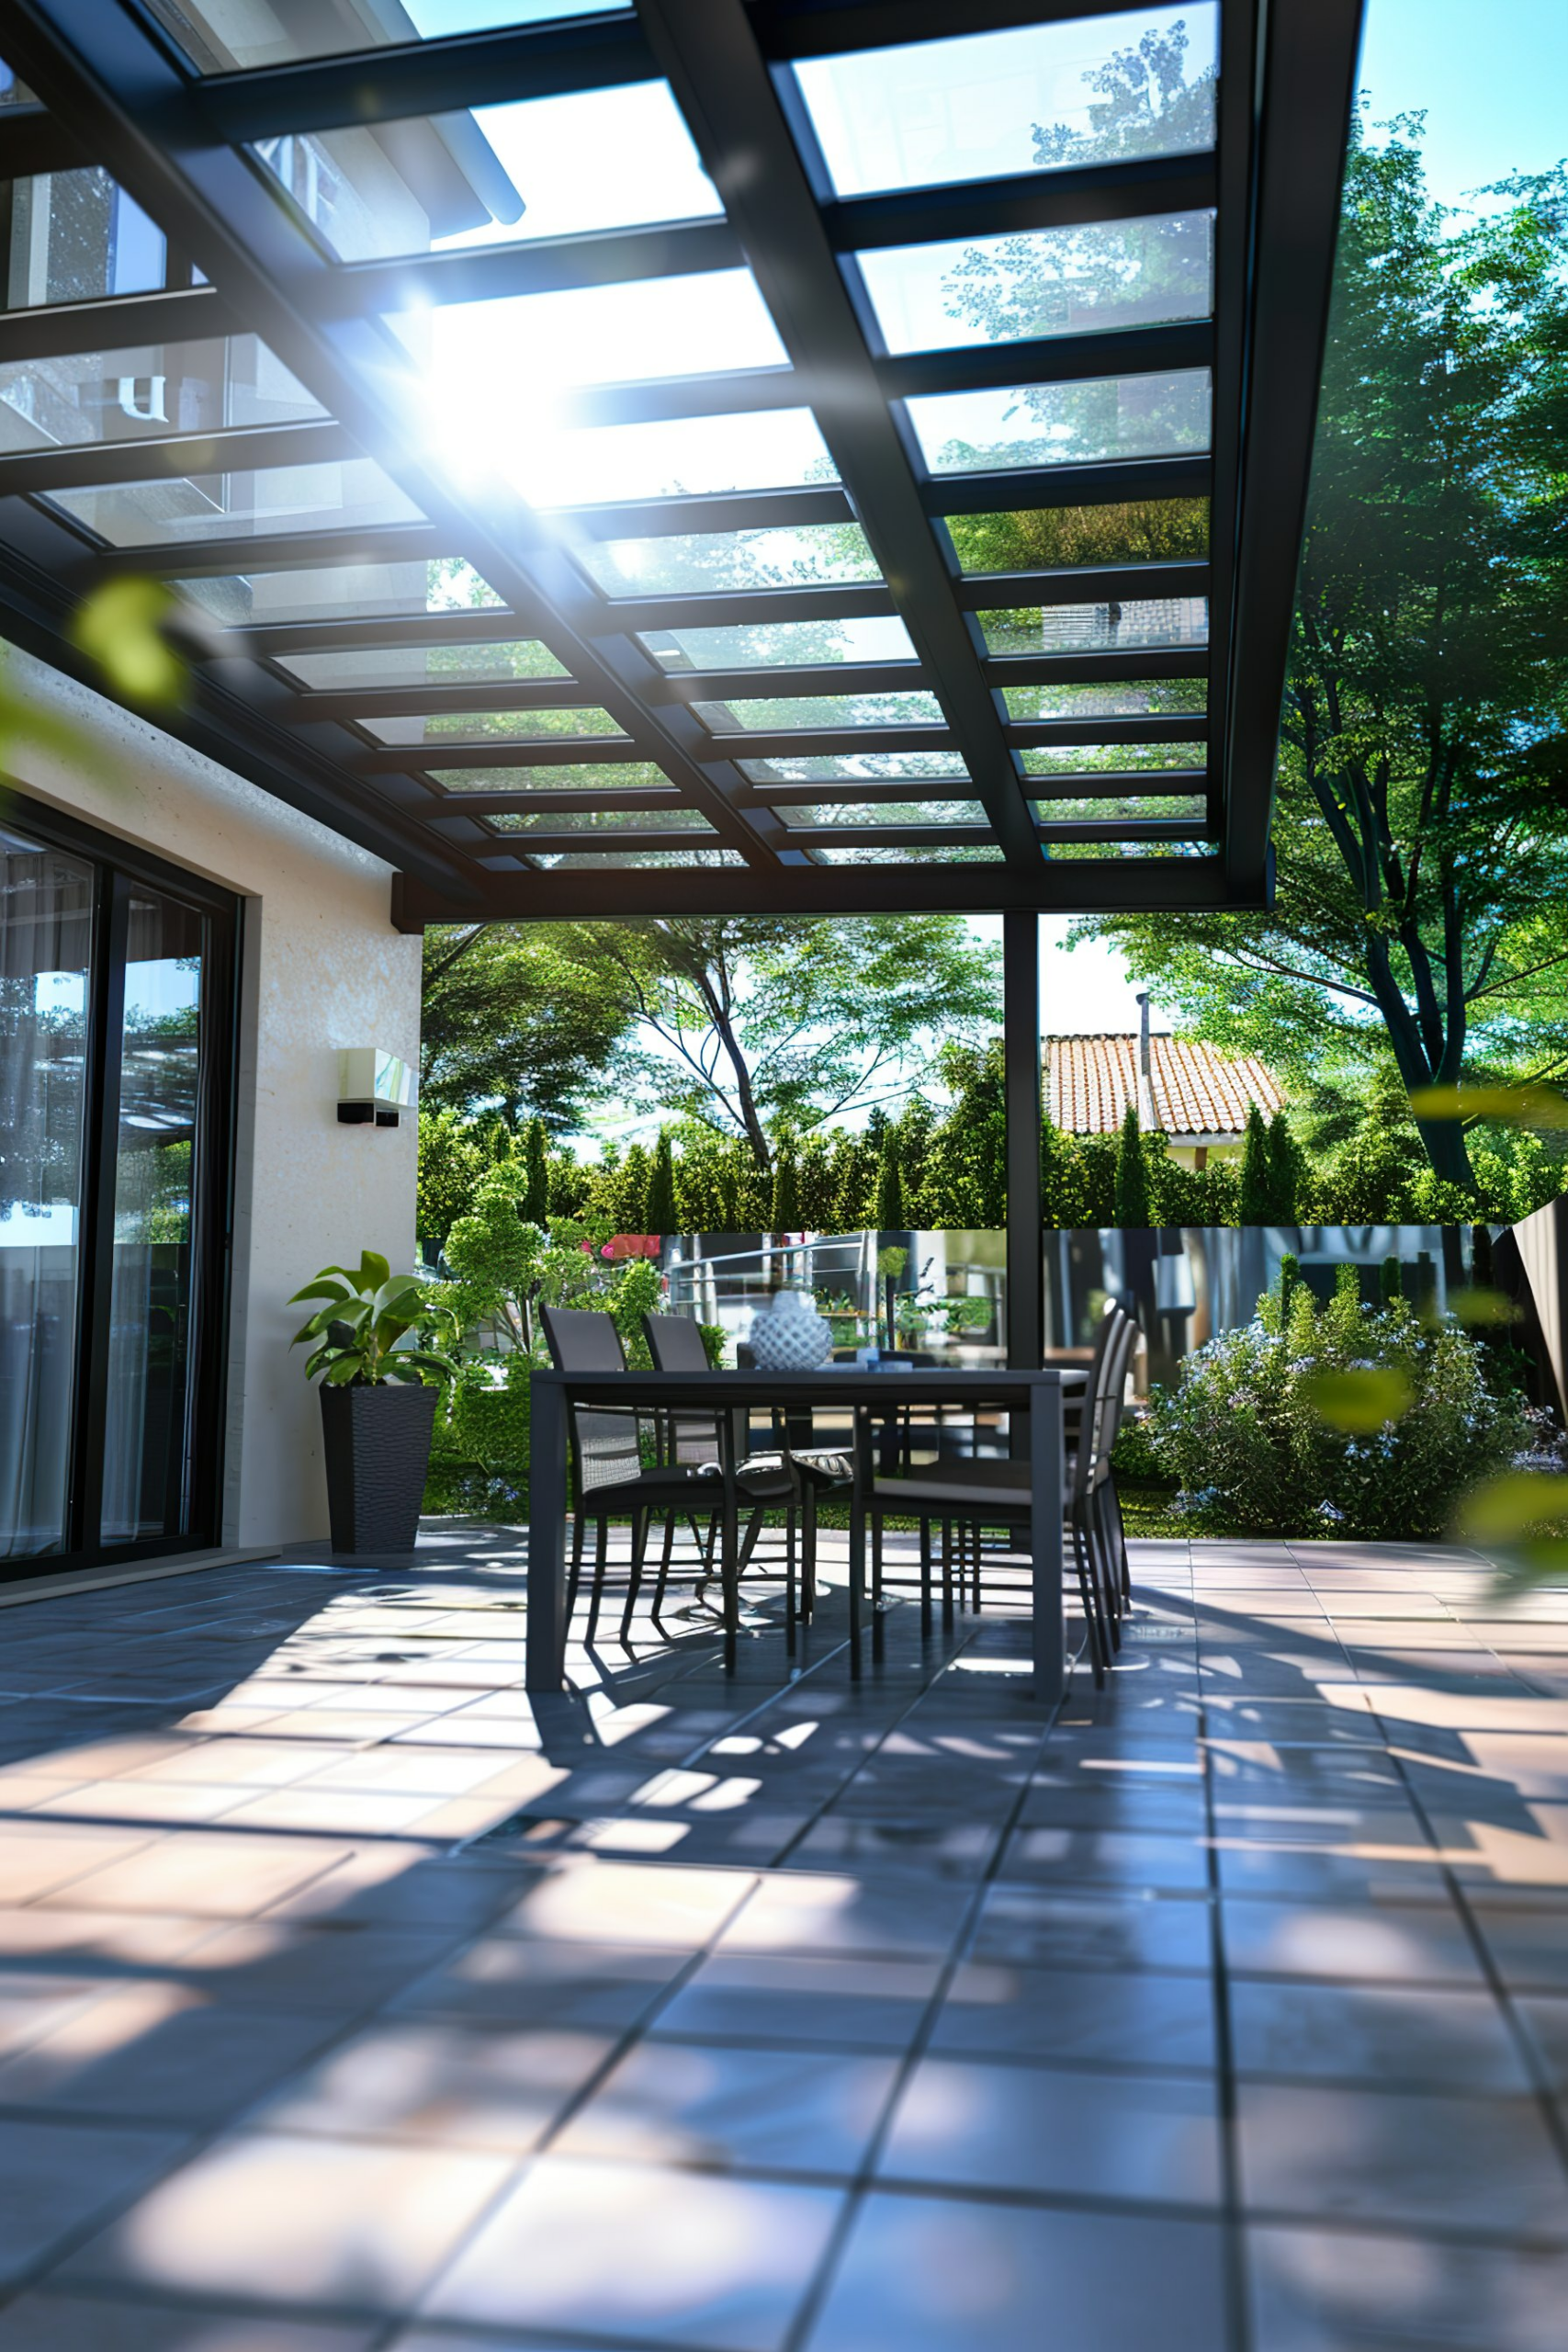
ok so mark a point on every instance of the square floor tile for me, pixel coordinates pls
(515, 1981)
(58, 2179)
(1406, 1942)
(820, 1912)
(1379, 2034)
(1149, 2139)
(861, 2004)
(994, 2010)
(634, 2251)
(456, 2086)
(1322, 2291)
(49, 2323)
(1057, 1854)
(631, 1903)
(772, 2110)
(278, 2219)
(927, 2274)
(202, 1871)
(1068, 1927)
(1546, 2023)
(1528, 1942)
(277, 1963)
(1430, 2159)
(156, 2052)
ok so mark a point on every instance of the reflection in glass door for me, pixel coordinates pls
(115, 997)
(46, 948)
(145, 1433)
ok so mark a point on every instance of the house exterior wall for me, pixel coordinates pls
(321, 968)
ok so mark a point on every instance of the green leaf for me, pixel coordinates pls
(1512, 1505)
(374, 1270)
(347, 1367)
(1519, 1106)
(1359, 1402)
(1477, 1308)
(121, 628)
(320, 1288)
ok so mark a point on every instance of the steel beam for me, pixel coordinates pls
(1021, 1063)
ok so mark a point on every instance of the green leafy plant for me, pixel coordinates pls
(1349, 1419)
(366, 1315)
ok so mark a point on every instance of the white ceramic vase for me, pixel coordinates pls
(791, 1336)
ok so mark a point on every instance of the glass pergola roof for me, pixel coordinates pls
(853, 455)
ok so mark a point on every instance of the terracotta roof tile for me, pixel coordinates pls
(1196, 1091)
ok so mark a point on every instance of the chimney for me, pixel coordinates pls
(1148, 1118)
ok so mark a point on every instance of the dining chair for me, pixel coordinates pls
(971, 1496)
(675, 1343)
(610, 1478)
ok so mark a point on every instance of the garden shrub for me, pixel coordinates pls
(1246, 1433)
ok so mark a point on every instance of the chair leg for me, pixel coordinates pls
(947, 1574)
(876, 1559)
(1091, 1599)
(975, 1562)
(601, 1547)
(664, 1559)
(579, 1527)
(634, 1580)
(789, 1581)
(925, 1576)
(808, 1552)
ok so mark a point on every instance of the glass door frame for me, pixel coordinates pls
(122, 870)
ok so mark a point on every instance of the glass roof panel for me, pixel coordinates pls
(771, 714)
(1190, 806)
(223, 36)
(74, 237)
(154, 390)
(1062, 424)
(578, 857)
(778, 644)
(817, 554)
(1087, 853)
(1107, 275)
(1097, 628)
(1111, 759)
(913, 853)
(587, 775)
(584, 161)
(677, 456)
(590, 821)
(490, 369)
(1042, 98)
(420, 665)
(490, 725)
(1121, 698)
(339, 591)
(858, 767)
(352, 493)
(881, 812)
(1050, 538)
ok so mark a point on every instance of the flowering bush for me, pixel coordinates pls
(1264, 1434)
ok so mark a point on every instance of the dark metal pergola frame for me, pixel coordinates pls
(114, 90)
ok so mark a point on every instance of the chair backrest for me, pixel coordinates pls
(605, 1445)
(675, 1343)
(1117, 1365)
(1112, 1344)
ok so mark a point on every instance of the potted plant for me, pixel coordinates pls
(378, 1398)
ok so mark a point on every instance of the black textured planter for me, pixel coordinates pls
(376, 1442)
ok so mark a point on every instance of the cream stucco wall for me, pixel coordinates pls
(321, 968)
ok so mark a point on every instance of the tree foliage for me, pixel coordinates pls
(1421, 827)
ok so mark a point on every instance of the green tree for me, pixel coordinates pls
(1257, 1174)
(890, 1186)
(1132, 1174)
(659, 1217)
(511, 1019)
(1420, 834)
(1287, 1169)
(786, 1188)
(535, 1174)
(750, 1022)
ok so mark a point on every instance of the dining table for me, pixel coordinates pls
(1033, 1400)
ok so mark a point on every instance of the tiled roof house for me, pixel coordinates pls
(1193, 1094)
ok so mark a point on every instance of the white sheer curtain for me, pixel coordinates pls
(46, 902)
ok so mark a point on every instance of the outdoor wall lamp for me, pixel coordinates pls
(374, 1088)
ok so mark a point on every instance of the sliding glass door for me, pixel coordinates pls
(116, 1019)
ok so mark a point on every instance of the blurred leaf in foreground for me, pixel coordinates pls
(1519, 1518)
(1362, 1400)
(1518, 1106)
(1475, 1308)
(123, 627)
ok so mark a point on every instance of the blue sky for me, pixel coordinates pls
(1494, 105)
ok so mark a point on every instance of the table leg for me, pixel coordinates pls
(730, 1540)
(545, 1666)
(858, 1494)
(1046, 1470)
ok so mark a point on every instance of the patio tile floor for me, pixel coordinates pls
(351, 2003)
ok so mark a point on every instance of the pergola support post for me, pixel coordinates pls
(1021, 1061)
